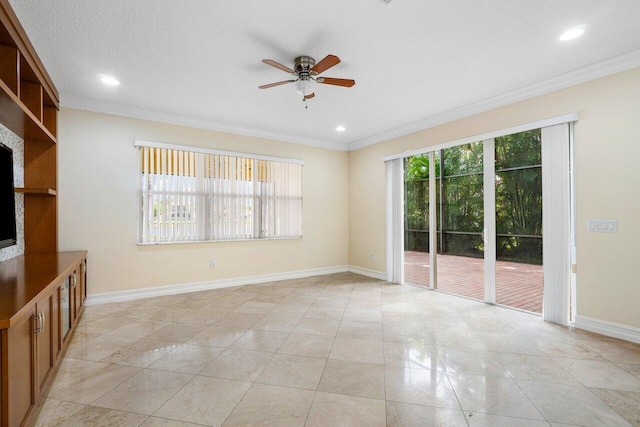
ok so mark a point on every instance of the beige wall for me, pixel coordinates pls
(607, 155)
(97, 175)
(344, 197)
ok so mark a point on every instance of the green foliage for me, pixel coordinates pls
(518, 149)
(518, 198)
(464, 203)
(416, 167)
(417, 202)
(417, 192)
(463, 159)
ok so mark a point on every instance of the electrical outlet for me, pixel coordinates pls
(602, 225)
(372, 256)
(212, 264)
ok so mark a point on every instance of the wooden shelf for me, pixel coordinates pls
(19, 119)
(32, 286)
(37, 191)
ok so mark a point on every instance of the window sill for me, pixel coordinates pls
(217, 241)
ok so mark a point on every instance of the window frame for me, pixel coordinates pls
(205, 230)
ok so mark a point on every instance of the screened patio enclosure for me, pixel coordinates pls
(514, 193)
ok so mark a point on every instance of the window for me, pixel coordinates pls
(192, 195)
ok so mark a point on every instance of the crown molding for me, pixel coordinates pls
(585, 74)
(582, 75)
(93, 105)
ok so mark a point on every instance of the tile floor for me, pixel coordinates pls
(341, 350)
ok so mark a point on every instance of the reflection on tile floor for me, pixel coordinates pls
(340, 349)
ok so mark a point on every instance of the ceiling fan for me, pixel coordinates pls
(305, 72)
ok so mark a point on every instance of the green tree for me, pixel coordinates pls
(518, 198)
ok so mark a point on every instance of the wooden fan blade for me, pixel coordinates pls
(328, 62)
(336, 82)
(275, 84)
(278, 65)
(311, 95)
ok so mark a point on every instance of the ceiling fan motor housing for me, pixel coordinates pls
(303, 66)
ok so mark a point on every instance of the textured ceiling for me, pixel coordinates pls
(199, 60)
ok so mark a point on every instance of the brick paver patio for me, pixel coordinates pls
(517, 285)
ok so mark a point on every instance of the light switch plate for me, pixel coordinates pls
(602, 226)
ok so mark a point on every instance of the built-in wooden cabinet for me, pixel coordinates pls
(79, 288)
(18, 362)
(45, 317)
(25, 82)
(32, 333)
(29, 104)
(30, 358)
(67, 310)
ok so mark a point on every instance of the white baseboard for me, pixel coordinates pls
(610, 329)
(380, 275)
(133, 294)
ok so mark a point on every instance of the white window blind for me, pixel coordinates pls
(205, 195)
(395, 220)
(556, 223)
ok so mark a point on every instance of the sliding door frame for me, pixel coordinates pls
(489, 231)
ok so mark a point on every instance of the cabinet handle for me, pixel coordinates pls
(43, 323)
(36, 321)
(73, 280)
(40, 322)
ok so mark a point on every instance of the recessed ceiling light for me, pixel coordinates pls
(109, 80)
(341, 128)
(572, 33)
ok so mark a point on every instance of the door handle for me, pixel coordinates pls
(43, 323)
(484, 235)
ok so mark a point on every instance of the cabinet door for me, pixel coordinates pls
(21, 381)
(72, 298)
(77, 292)
(56, 318)
(45, 340)
(83, 281)
(65, 306)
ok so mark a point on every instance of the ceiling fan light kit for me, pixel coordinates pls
(306, 71)
(302, 67)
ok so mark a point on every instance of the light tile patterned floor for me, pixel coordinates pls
(340, 349)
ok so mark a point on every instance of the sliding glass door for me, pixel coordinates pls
(416, 221)
(518, 202)
(484, 220)
(490, 218)
(460, 220)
